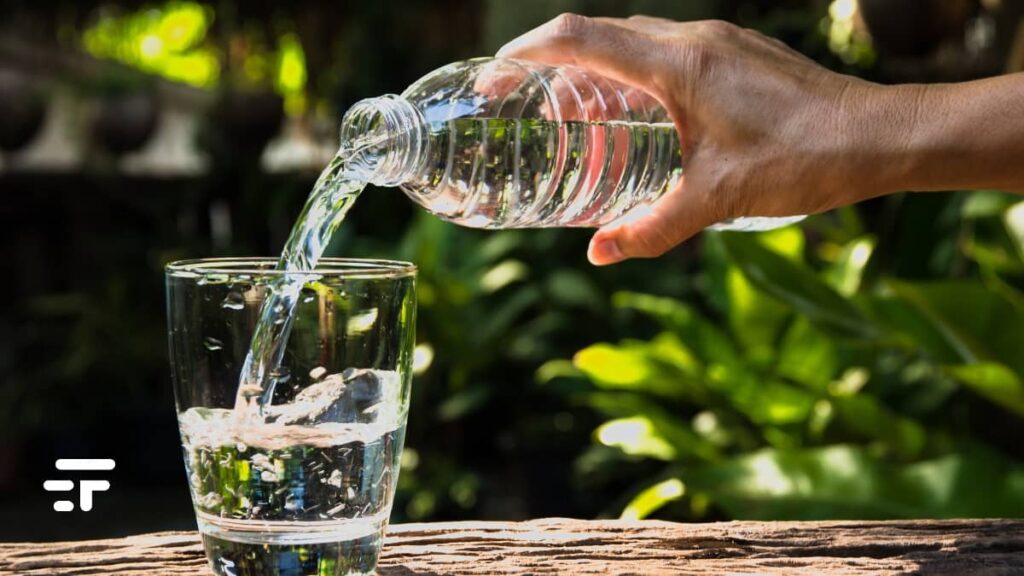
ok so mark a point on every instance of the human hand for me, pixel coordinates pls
(765, 131)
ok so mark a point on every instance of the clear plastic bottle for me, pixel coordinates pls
(501, 143)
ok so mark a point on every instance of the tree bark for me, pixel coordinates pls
(562, 546)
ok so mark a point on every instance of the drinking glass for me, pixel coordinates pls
(305, 486)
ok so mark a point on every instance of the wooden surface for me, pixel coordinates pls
(988, 547)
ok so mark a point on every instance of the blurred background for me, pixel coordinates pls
(865, 364)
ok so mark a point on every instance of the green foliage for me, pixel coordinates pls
(493, 306)
(812, 388)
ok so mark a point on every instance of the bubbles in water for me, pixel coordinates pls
(210, 500)
(233, 301)
(335, 479)
(309, 298)
(268, 476)
(212, 343)
(317, 373)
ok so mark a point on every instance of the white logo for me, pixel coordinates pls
(86, 487)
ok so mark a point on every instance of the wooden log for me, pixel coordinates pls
(561, 546)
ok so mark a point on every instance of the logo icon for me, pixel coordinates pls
(86, 487)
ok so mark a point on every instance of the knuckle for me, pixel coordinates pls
(697, 58)
(646, 19)
(719, 28)
(569, 25)
(649, 241)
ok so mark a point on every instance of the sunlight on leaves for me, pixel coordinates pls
(796, 285)
(807, 356)
(993, 381)
(1014, 220)
(290, 80)
(846, 38)
(503, 274)
(552, 369)
(169, 40)
(787, 241)
(843, 481)
(635, 436)
(612, 365)
(694, 331)
(846, 273)
(653, 498)
(422, 358)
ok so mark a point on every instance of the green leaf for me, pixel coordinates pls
(652, 498)
(769, 403)
(613, 366)
(502, 274)
(993, 381)
(978, 324)
(686, 443)
(846, 274)
(710, 343)
(499, 322)
(663, 368)
(1013, 219)
(754, 318)
(807, 356)
(869, 418)
(462, 403)
(848, 482)
(909, 328)
(787, 242)
(986, 204)
(572, 288)
(636, 436)
(796, 285)
(558, 368)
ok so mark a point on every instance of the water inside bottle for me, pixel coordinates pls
(530, 173)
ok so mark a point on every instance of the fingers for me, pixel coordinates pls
(614, 51)
(651, 232)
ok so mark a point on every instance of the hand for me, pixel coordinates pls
(765, 131)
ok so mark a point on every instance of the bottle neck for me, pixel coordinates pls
(386, 138)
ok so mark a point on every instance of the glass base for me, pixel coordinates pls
(255, 548)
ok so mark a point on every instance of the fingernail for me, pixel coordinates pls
(604, 251)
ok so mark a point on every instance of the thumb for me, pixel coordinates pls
(616, 52)
(652, 231)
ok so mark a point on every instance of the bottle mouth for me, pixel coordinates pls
(384, 138)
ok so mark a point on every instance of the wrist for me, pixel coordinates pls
(884, 127)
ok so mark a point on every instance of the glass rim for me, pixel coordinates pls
(360, 268)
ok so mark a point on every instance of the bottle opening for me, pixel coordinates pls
(385, 138)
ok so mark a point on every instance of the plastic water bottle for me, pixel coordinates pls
(501, 143)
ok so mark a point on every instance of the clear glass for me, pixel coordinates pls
(503, 143)
(308, 490)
